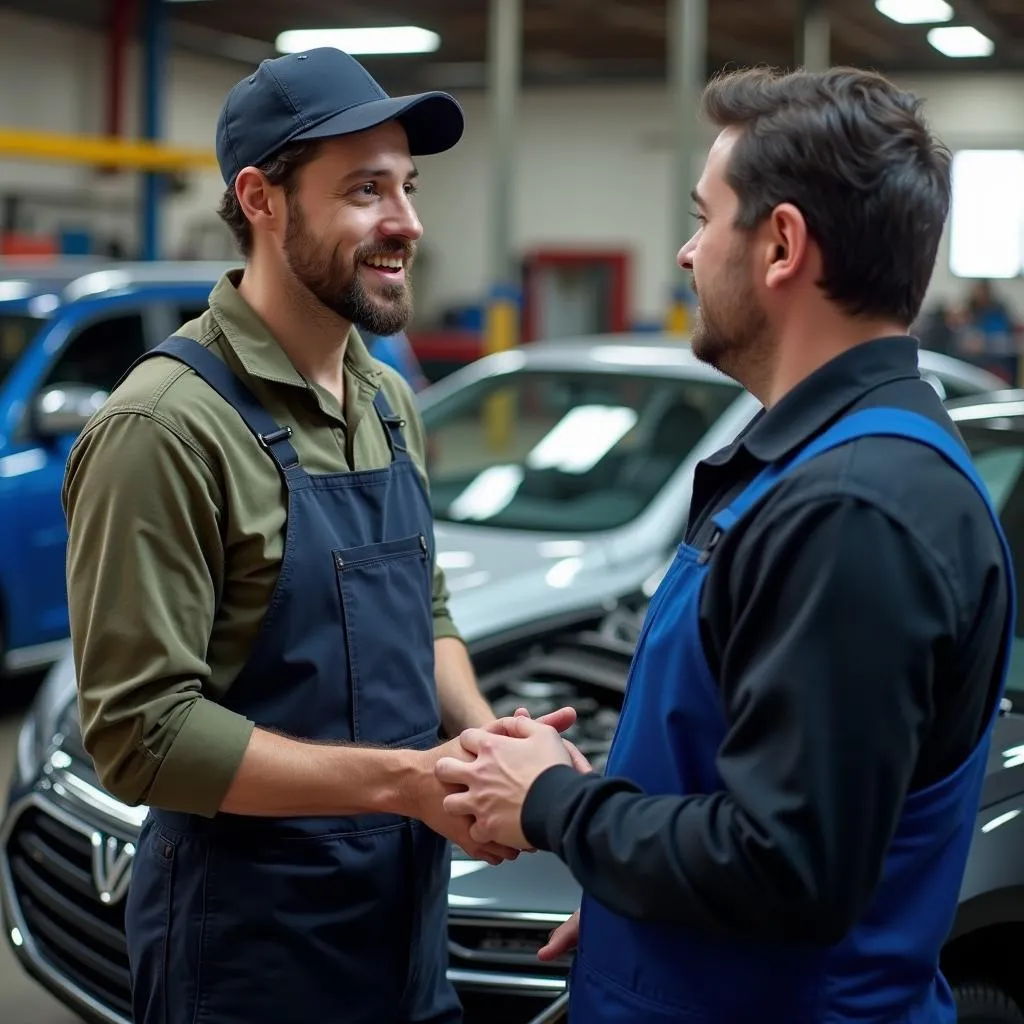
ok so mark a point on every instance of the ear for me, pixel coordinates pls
(262, 203)
(785, 243)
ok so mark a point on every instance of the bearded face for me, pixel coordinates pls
(370, 289)
(730, 324)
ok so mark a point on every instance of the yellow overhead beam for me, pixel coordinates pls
(101, 151)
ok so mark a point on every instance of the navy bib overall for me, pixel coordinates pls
(239, 920)
(886, 970)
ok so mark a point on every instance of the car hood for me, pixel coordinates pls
(499, 580)
(1004, 773)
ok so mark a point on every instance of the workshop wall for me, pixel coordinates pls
(593, 165)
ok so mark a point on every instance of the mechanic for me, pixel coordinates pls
(790, 799)
(255, 604)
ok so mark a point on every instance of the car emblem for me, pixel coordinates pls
(111, 867)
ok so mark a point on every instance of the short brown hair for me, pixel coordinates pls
(280, 169)
(854, 154)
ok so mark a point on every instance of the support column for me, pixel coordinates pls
(502, 324)
(814, 39)
(154, 57)
(687, 60)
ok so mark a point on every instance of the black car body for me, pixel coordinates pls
(66, 846)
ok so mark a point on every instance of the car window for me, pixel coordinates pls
(16, 333)
(100, 354)
(564, 451)
(999, 458)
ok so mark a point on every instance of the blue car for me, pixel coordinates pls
(68, 331)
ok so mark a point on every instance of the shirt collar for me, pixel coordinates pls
(258, 350)
(823, 396)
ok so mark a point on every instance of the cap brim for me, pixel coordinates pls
(433, 121)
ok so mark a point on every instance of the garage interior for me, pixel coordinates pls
(558, 219)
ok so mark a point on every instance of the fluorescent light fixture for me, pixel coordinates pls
(388, 39)
(915, 12)
(961, 41)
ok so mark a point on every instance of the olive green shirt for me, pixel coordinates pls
(176, 521)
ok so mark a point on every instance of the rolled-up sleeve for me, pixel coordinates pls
(144, 571)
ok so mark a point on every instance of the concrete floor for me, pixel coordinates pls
(22, 1001)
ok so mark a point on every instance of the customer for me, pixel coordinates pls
(255, 603)
(791, 795)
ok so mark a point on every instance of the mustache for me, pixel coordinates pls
(405, 250)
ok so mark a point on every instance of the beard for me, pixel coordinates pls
(321, 272)
(730, 327)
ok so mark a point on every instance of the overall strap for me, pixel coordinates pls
(879, 422)
(888, 422)
(393, 424)
(229, 386)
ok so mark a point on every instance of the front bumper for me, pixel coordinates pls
(71, 941)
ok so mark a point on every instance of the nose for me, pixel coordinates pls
(402, 221)
(685, 255)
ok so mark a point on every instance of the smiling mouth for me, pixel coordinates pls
(390, 265)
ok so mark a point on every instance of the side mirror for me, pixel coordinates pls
(64, 409)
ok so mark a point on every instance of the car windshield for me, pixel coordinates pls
(16, 333)
(561, 451)
(999, 458)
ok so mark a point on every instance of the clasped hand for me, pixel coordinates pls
(489, 775)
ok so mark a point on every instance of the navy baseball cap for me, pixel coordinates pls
(320, 94)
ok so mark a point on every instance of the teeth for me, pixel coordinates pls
(392, 262)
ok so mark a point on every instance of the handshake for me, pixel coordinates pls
(475, 785)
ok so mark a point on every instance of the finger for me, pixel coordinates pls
(454, 772)
(504, 852)
(474, 740)
(459, 804)
(579, 762)
(501, 726)
(560, 720)
(562, 940)
(522, 713)
(524, 728)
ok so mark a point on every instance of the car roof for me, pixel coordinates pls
(71, 278)
(632, 352)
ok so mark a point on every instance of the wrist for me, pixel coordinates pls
(404, 781)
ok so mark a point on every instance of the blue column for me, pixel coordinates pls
(154, 29)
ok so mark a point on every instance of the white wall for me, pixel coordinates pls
(593, 166)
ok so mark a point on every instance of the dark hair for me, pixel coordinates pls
(280, 169)
(854, 154)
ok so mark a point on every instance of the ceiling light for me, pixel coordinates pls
(915, 12)
(389, 39)
(961, 41)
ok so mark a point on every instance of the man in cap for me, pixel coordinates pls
(260, 630)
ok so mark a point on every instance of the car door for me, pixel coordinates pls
(96, 354)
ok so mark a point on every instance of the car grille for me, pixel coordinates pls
(508, 945)
(83, 939)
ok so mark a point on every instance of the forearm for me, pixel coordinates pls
(282, 777)
(462, 704)
(696, 862)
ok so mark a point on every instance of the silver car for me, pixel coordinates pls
(561, 476)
